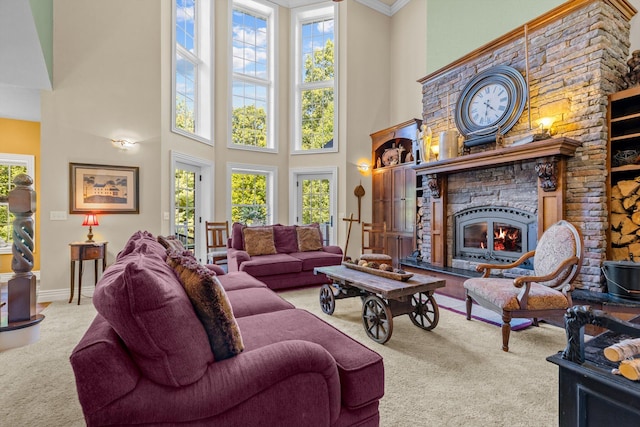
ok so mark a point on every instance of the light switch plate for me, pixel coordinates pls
(58, 216)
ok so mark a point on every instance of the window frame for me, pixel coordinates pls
(299, 17)
(19, 160)
(270, 14)
(202, 59)
(271, 173)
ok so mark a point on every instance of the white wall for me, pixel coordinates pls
(106, 85)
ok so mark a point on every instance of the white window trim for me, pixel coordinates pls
(271, 13)
(300, 16)
(295, 173)
(204, 78)
(207, 170)
(20, 159)
(272, 181)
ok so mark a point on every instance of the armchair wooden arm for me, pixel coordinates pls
(518, 282)
(486, 268)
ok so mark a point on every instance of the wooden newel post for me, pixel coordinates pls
(22, 287)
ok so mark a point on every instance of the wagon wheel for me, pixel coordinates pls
(327, 299)
(425, 312)
(377, 319)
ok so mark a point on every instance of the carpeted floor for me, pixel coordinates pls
(454, 375)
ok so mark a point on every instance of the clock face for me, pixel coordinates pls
(488, 104)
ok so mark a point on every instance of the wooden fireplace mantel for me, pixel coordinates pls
(550, 156)
(501, 156)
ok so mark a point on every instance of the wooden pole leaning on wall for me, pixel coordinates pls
(346, 245)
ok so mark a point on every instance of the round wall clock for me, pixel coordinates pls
(492, 100)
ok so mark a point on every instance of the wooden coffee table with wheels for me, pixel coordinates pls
(382, 298)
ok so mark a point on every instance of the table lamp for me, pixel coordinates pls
(90, 220)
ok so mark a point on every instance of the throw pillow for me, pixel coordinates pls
(258, 240)
(210, 303)
(171, 243)
(143, 301)
(285, 238)
(309, 238)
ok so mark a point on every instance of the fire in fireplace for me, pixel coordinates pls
(494, 234)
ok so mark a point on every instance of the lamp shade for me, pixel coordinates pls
(90, 220)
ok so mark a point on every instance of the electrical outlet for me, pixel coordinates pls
(57, 215)
(166, 216)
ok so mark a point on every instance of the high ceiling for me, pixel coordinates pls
(23, 69)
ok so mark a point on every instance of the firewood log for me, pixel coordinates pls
(628, 187)
(627, 239)
(630, 369)
(616, 220)
(616, 206)
(616, 193)
(628, 226)
(624, 349)
(621, 254)
(629, 202)
(634, 249)
(635, 217)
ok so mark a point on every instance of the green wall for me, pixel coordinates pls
(457, 27)
(42, 11)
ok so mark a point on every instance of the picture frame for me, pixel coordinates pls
(103, 189)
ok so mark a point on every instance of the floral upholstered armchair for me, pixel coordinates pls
(556, 263)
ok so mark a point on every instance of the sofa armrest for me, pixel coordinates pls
(264, 384)
(235, 258)
(333, 249)
(216, 269)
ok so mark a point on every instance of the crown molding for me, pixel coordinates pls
(376, 5)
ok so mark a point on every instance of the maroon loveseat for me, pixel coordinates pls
(281, 256)
(147, 357)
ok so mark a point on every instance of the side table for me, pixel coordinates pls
(86, 251)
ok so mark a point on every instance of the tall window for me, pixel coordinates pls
(11, 165)
(315, 79)
(192, 71)
(252, 115)
(252, 196)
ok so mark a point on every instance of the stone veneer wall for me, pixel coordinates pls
(574, 63)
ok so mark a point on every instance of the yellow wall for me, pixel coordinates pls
(22, 137)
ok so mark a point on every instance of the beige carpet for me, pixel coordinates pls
(455, 375)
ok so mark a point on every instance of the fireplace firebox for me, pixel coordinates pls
(494, 234)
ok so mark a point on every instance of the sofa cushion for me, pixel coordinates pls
(136, 240)
(237, 241)
(313, 259)
(309, 238)
(210, 303)
(239, 280)
(250, 301)
(171, 243)
(258, 240)
(143, 301)
(361, 370)
(285, 238)
(268, 265)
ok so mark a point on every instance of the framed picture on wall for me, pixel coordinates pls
(103, 189)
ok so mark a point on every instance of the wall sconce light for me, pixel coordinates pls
(123, 144)
(544, 130)
(90, 220)
(435, 149)
(363, 167)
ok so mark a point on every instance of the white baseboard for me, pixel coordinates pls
(52, 294)
(62, 294)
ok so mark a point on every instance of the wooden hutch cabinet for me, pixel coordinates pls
(624, 173)
(394, 187)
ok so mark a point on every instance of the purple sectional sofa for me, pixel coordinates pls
(281, 256)
(147, 358)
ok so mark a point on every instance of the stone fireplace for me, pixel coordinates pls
(575, 56)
